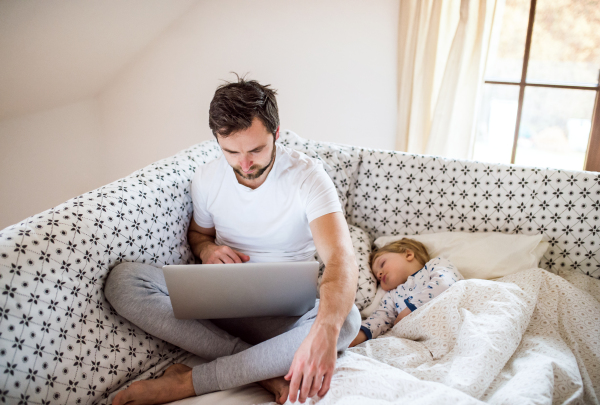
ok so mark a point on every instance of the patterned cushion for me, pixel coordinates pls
(367, 283)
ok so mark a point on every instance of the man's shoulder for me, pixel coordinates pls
(209, 170)
(294, 161)
(206, 174)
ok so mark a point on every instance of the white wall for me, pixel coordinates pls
(47, 158)
(54, 52)
(333, 63)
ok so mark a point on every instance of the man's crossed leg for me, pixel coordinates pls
(240, 351)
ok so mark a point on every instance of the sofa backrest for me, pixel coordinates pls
(396, 193)
(60, 340)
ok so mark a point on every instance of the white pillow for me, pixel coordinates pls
(367, 283)
(481, 255)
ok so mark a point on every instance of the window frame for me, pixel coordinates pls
(592, 154)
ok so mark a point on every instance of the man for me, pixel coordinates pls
(259, 202)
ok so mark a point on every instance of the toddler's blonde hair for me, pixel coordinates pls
(401, 246)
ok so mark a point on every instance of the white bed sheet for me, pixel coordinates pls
(530, 337)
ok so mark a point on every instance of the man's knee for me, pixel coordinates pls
(349, 329)
(119, 281)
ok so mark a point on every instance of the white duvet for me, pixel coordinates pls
(528, 338)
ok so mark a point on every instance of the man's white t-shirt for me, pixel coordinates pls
(271, 222)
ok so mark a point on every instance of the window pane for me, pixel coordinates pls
(555, 127)
(507, 46)
(565, 44)
(495, 131)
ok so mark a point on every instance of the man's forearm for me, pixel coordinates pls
(198, 241)
(338, 287)
(338, 291)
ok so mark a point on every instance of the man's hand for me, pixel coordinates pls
(202, 241)
(402, 314)
(215, 254)
(313, 364)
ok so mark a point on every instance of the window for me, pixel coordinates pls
(540, 101)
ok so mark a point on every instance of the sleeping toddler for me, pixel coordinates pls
(404, 270)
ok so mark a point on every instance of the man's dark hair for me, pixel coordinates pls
(235, 105)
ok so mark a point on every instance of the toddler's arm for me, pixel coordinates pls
(361, 337)
(442, 274)
(381, 320)
(405, 312)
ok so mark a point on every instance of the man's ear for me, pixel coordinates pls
(277, 134)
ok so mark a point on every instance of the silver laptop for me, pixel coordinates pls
(214, 291)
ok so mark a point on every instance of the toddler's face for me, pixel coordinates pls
(393, 269)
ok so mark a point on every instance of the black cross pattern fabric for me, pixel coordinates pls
(402, 194)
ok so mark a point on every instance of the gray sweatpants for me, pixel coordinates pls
(241, 350)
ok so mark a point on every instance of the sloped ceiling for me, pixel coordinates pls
(54, 52)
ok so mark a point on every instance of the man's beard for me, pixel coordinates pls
(257, 173)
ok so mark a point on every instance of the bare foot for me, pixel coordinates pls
(175, 383)
(277, 386)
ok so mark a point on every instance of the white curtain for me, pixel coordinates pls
(443, 46)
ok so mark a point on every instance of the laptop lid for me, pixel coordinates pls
(239, 290)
